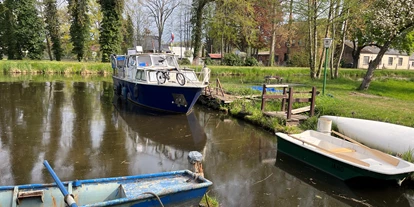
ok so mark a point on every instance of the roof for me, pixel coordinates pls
(375, 50)
(214, 55)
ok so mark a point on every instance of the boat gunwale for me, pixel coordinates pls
(196, 85)
(204, 183)
(369, 168)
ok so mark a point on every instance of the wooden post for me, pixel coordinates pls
(290, 102)
(217, 86)
(221, 88)
(312, 106)
(284, 100)
(263, 98)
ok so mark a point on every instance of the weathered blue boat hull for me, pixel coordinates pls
(178, 188)
(162, 97)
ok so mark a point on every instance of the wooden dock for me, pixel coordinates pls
(290, 115)
(215, 97)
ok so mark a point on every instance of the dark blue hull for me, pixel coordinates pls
(176, 99)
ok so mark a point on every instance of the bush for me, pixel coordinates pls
(184, 61)
(208, 61)
(251, 61)
(231, 59)
(299, 59)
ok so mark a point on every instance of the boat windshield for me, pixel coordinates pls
(144, 61)
(161, 60)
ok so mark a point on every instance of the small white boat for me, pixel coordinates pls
(342, 159)
(386, 137)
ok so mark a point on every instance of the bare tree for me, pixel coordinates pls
(140, 20)
(160, 10)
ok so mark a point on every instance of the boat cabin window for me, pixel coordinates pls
(141, 75)
(144, 61)
(153, 76)
(131, 61)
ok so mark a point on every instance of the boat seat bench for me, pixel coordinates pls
(342, 150)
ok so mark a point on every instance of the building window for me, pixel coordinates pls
(412, 63)
(390, 60)
(366, 60)
(400, 61)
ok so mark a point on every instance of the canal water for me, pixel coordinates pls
(85, 132)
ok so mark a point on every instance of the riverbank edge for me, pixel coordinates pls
(216, 104)
(54, 67)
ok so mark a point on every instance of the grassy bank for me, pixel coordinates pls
(388, 99)
(291, 72)
(53, 67)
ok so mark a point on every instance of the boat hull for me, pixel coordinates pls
(329, 165)
(172, 188)
(175, 99)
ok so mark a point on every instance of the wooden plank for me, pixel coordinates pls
(276, 86)
(342, 150)
(301, 100)
(274, 96)
(301, 110)
(385, 157)
(345, 157)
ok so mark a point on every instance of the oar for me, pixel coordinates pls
(342, 156)
(387, 158)
(68, 198)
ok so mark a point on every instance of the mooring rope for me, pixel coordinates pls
(158, 198)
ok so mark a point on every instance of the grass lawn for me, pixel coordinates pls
(390, 97)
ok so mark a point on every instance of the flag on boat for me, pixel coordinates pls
(172, 37)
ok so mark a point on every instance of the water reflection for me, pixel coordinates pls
(84, 132)
(354, 193)
(156, 141)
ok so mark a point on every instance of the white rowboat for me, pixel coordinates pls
(342, 159)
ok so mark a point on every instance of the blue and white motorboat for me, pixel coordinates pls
(156, 81)
(177, 188)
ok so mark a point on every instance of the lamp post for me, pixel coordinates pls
(326, 44)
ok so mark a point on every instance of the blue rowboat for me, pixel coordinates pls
(156, 81)
(177, 188)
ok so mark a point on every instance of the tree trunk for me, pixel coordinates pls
(273, 40)
(197, 29)
(318, 72)
(315, 35)
(356, 51)
(272, 46)
(343, 37)
(159, 41)
(49, 51)
(289, 31)
(311, 42)
(372, 66)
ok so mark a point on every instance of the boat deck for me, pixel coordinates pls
(157, 186)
